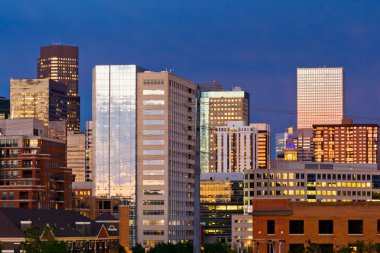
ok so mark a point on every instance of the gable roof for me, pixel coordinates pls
(62, 222)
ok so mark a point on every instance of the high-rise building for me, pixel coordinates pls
(236, 147)
(285, 148)
(165, 158)
(221, 196)
(303, 143)
(33, 167)
(88, 132)
(60, 63)
(216, 109)
(154, 144)
(76, 155)
(4, 108)
(320, 96)
(346, 143)
(263, 145)
(41, 99)
(57, 130)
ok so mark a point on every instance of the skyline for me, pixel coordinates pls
(201, 46)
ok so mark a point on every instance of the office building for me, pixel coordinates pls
(313, 182)
(284, 141)
(160, 135)
(263, 145)
(165, 158)
(41, 99)
(283, 226)
(34, 172)
(346, 143)
(320, 96)
(88, 132)
(236, 147)
(241, 226)
(76, 155)
(4, 108)
(60, 63)
(221, 196)
(216, 109)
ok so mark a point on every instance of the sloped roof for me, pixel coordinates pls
(61, 221)
(105, 217)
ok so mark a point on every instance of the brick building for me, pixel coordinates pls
(33, 172)
(283, 226)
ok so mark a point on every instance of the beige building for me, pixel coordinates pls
(89, 144)
(42, 99)
(236, 147)
(165, 158)
(76, 155)
(216, 109)
(320, 96)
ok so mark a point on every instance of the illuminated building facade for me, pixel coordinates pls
(165, 158)
(221, 196)
(144, 130)
(283, 226)
(346, 143)
(33, 167)
(314, 182)
(303, 143)
(320, 96)
(263, 145)
(42, 99)
(89, 141)
(76, 154)
(216, 109)
(60, 63)
(236, 147)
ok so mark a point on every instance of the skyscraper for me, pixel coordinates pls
(60, 63)
(42, 99)
(144, 130)
(4, 108)
(216, 109)
(320, 96)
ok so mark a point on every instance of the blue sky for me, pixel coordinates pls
(253, 44)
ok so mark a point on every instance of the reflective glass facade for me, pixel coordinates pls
(114, 129)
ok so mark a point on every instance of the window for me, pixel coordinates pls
(153, 112)
(270, 227)
(153, 142)
(153, 102)
(355, 227)
(296, 227)
(153, 152)
(153, 212)
(153, 92)
(153, 182)
(153, 162)
(378, 226)
(153, 192)
(153, 222)
(326, 227)
(154, 122)
(153, 172)
(296, 248)
(153, 132)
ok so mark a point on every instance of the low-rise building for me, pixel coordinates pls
(280, 225)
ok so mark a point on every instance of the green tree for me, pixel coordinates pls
(138, 249)
(216, 248)
(34, 244)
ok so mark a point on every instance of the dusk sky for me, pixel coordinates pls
(253, 44)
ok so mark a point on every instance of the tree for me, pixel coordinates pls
(34, 244)
(138, 249)
(216, 248)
